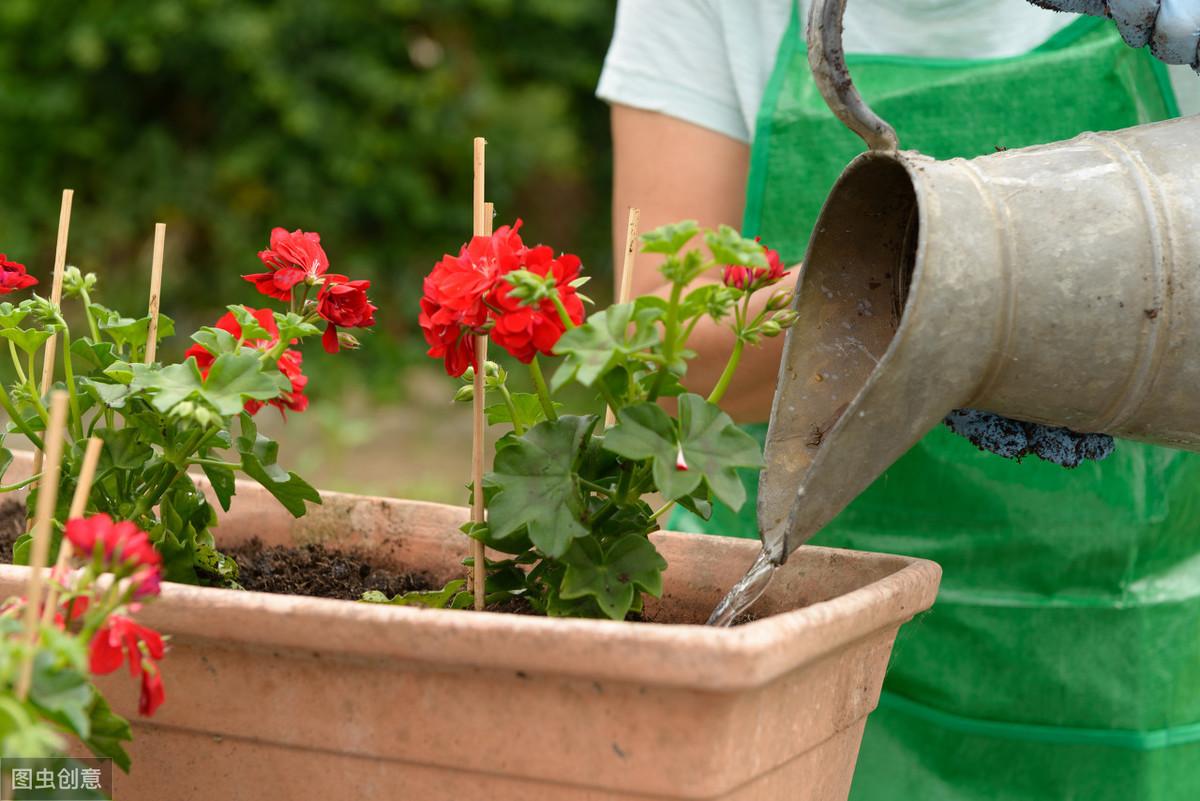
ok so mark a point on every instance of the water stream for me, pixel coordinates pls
(745, 592)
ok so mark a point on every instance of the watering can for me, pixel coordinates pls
(1057, 284)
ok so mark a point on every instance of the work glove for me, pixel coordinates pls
(1014, 439)
(1170, 27)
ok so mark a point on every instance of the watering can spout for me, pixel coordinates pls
(1057, 284)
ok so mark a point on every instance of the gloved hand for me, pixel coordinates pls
(1014, 439)
(1170, 27)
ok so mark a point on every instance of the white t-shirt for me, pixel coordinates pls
(708, 61)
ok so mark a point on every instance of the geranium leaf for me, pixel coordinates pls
(28, 340)
(11, 316)
(613, 575)
(292, 492)
(223, 482)
(251, 328)
(130, 331)
(430, 599)
(529, 410)
(93, 355)
(109, 730)
(730, 247)
(713, 447)
(235, 377)
(536, 487)
(669, 238)
(604, 341)
(168, 385)
(215, 340)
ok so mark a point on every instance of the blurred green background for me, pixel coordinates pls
(353, 118)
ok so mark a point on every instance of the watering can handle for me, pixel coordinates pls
(827, 58)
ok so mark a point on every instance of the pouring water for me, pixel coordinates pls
(745, 592)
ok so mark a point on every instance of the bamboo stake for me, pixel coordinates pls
(87, 473)
(482, 227)
(624, 281)
(46, 501)
(60, 265)
(156, 266)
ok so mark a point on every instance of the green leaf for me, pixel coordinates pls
(109, 730)
(294, 326)
(92, 355)
(237, 377)
(730, 247)
(232, 379)
(670, 238)
(6, 460)
(215, 340)
(431, 599)
(62, 691)
(111, 395)
(713, 447)
(603, 342)
(11, 316)
(223, 481)
(124, 449)
(291, 491)
(28, 340)
(612, 575)
(251, 328)
(536, 488)
(529, 410)
(130, 331)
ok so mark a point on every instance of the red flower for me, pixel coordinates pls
(121, 542)
(753, 278)
(153, 692)
(289, 362)
(292, 258)
(524, 331)
(13, 276)
(344, 303)
(122, 639)
(453, 307)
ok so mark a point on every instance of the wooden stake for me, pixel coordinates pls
(46, 501)
(60, 265)
(160, 237)
(482, 227)
(87, 473)
(623, 283)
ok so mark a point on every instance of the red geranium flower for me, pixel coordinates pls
(343, 302)
(453, 308)
(121, 542)
(122, 639)
(13, 276)
(753, 278)
(523, 330)
(153, 692)
(290, 362)
(292, 258)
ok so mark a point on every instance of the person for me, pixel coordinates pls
(1062, 658)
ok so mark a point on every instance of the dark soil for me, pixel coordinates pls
(12, 526)
(318, 572)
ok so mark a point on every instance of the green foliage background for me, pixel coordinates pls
(353, 118)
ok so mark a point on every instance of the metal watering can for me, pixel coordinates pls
(1057, 284)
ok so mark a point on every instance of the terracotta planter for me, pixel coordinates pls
(285, 697)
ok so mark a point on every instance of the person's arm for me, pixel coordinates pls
(674, 170)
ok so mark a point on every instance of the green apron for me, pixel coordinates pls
(1062, 659)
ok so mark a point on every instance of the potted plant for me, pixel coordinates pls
(318, 697)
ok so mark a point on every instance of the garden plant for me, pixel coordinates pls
(567, 496)
(160, 421)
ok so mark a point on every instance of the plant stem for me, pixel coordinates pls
(19, 484)
(18, 420)
(216, 463)
(518, 427)
(594, 487)
(87, 311)
(543, 392)
(727, 375)
(670, 334)
(662, 510)
(76, 422)
(562, 312)
(16, 360)
(35, 394)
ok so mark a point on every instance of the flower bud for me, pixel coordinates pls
(347, 341)
(465, 394)
(469, 374)
(491, 369)
(780, 300)
(770, 328)
(786, 318)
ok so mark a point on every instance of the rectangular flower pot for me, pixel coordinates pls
(285, 697)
